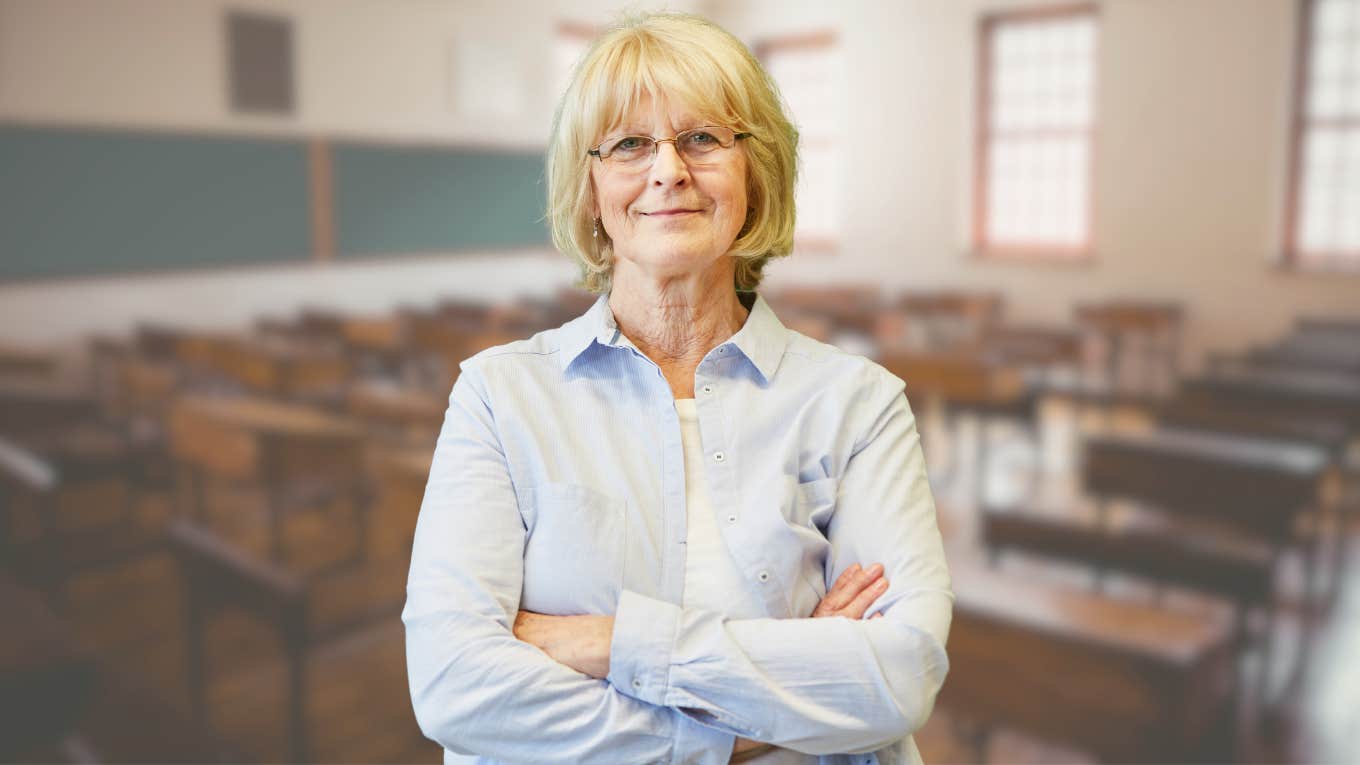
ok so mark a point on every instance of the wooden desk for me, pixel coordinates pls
(1281, 393)
(950, 318)
(1127, 682)
(1254, 486)
(297, 455)
(968, 382)
(412, 414)
(27, 362)
(46, 677)
(30, 406)
(849, 309)
(283, 368)
(1134, 334)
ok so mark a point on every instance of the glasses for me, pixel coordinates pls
(699, 146)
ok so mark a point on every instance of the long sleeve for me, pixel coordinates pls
(817, 686)
(476, 689)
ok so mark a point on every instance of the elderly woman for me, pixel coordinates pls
(635, 523)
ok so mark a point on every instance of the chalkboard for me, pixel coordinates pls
(397, 199)
(96, 202)
(89, 202)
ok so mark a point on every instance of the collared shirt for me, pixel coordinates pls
(558, 486)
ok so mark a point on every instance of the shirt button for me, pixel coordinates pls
(637, 684)
(708, 389)
(719, 456)
(763, 576)
(731, 519)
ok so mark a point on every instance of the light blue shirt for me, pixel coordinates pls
(558, 486)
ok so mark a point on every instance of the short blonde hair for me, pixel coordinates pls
(693, 62)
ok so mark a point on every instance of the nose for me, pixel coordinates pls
(668, 167)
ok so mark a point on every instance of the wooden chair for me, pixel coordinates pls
(1125, 681)
(1139, 343)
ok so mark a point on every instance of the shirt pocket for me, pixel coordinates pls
(574, 550)
(813, 504)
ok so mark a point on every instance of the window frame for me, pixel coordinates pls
(823, 38)
(1055, 253)
(1293, 256)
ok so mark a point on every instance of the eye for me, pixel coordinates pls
(701, 138)
(630, 143)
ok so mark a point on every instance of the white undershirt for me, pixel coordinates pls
(712, 581)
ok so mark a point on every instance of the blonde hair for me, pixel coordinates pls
(693, 62)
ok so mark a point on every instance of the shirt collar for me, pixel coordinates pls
(762, 339)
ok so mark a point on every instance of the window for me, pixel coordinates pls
(1323, 217)
(807, 69)
(1036, 119)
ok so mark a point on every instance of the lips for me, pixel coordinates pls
(671, 211)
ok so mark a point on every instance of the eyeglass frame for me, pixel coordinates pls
(656, 142)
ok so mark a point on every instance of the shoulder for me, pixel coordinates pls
(847, 372)
(541, 348)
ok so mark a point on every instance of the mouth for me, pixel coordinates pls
(671, 212)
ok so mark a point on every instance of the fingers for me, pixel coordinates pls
(852, 592)
(866, 598)
(844, 590)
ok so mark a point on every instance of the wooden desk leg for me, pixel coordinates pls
(194, 650)
(275, 512)
(297, 695)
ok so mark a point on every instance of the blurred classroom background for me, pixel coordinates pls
(1113, 248)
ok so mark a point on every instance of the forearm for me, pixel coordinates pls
(813, 685)
(478, 690)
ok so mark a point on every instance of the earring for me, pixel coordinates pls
(596, 226)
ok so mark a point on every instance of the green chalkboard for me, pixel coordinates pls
(98, 202)
(87, 202)
(404, 199)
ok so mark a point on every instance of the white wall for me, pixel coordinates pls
(1191, 159)
(1193, 109)
(370, 69)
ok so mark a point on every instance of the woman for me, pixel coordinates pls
(633, 521)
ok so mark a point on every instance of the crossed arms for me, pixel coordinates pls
(662, 683)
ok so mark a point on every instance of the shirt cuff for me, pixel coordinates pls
(640, 647)
(698, 744)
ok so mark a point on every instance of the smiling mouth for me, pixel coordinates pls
(669, 213)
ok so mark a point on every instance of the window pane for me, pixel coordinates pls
(1038, 162)
(1038, 191)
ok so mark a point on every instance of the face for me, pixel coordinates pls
(670, 218)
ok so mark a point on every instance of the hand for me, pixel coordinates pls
(580, 642)
(853, 593)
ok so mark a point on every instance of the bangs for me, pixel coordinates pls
(643, 65)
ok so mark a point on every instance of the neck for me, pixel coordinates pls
(675, 321)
